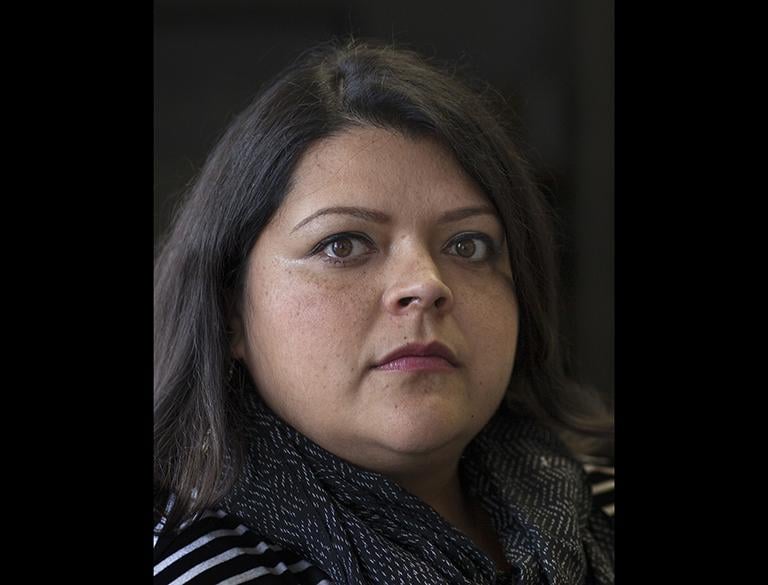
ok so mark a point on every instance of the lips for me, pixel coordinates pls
(432, 349)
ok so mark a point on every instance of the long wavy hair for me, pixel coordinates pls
(200, 264)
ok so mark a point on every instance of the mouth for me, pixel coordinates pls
(433, 356)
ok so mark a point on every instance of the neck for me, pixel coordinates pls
(440, 488)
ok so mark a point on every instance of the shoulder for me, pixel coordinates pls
(600, 475)
(217, 548)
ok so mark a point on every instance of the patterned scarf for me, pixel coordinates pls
(361, 528)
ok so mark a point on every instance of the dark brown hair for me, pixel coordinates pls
(200, 265)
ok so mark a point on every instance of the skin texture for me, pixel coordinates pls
(310, 330)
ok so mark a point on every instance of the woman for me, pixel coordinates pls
(358, 376)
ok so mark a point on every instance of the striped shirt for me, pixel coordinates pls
(216, 549)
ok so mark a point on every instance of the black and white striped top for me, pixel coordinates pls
(216, 549)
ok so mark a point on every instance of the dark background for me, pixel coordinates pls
(80, 283)
(551, 59)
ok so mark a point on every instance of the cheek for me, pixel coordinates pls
(297, 316)
(489, 316)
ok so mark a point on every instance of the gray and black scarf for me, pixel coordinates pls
(361, 528)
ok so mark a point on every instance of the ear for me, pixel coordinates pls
(237, 338)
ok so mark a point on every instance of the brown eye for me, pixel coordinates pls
(465, 248)
(342, 247)
(472, 247)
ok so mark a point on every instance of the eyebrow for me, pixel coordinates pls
(381, 217)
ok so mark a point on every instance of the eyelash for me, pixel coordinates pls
(330, 240)
(491, 246)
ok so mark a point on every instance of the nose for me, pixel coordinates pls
(417, 286)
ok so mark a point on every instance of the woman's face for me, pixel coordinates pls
(382, 241)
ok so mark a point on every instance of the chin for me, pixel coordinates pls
(426, 433)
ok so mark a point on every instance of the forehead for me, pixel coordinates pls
(382, 169)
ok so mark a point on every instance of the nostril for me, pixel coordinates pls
(440, 302)
(405, 301)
